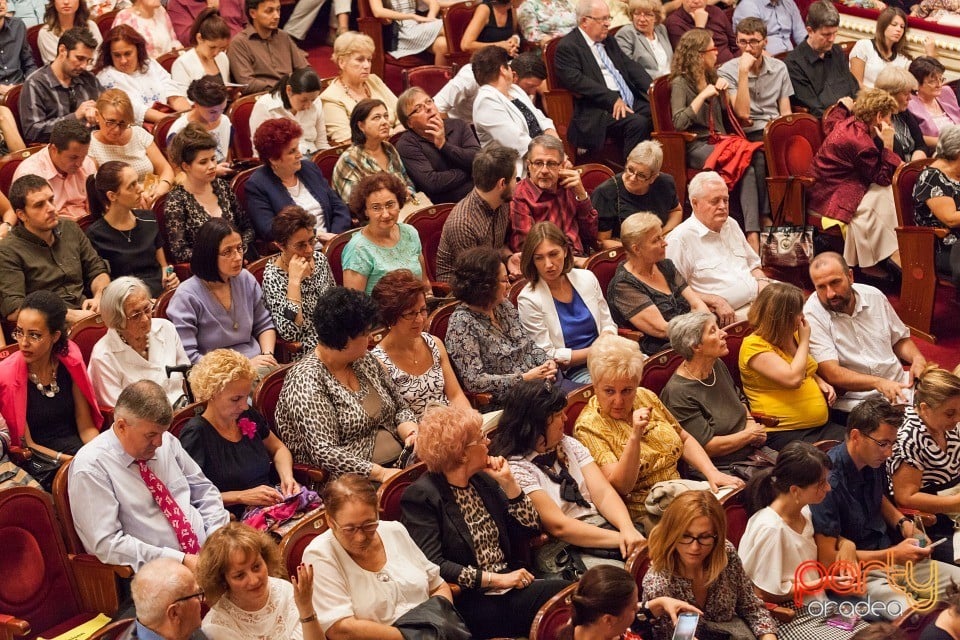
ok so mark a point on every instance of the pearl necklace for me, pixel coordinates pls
(713, 372)
(51, 389)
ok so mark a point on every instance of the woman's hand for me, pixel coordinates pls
(303, 590)
(170, 279)
(885, 132)
(671, 606)
(423, 18)
(630, 541)
(545, 371)
(263, 360)
(262, 496)
(641, 418)
(300, 268)
(519, 579)
(709, 91)
(803, 330)
(828, 391)
(225, 169)
(718, 479)
(499, 469)
(722, 85)
(756, 433)
(289, 487)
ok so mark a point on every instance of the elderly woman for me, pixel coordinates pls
(123, 63)
(231, 442)
(208, 39)
(136, 345)
(908, 140)
(493, 22)
(934, 107)
(338, 409)
(284, 180)
(221, 305)
(353, 53)
(701, 394)
(149, 18)
(561, 308)
(416, 361)
(115, 195)
(640, 187)
(373, 572)
(854, 170)
(634, 439)
(646, 39)
(647, 290)
(294, 280)
(779, 375)
(201, 196)
(437, 511)
(46, 397)
(209, 98)
(488, 346)
(371, 151)
(543, 20)
(936, 200)
(871, 55)
(701, 14)
(383, 244)
(577, 505)
(241, 575)
(691, 561)
(59, 17)
(297, 97)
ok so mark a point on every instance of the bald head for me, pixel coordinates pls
(157, 585)
(828, 259)
(833, 281)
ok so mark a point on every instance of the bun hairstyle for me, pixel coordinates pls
(799, 464)
(934, 386)
(603, 590)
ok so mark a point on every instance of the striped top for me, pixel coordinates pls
(916, 447)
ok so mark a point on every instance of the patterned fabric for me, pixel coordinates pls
(472, 223)
(917, 448)
(134, 152)
(934, 183)
(279, 617)
(157, 31)
(418, 390)
(611, 68)
(170, 509)
(627, 296)
(531, 478)
(545, 19)
(533, 126)
(356, 163)
(44, 100)
(414, 37)
(283, 311)
(144, 88)
(373, 261)
(531, 204)
(184, 216)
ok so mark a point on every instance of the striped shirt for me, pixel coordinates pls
(916, 447)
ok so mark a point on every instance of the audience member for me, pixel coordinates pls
(16, 61)
(561, 308)
(207, 56)
(119, 480)
(338, 409)
(700, 14)
(455, 99)
(371, 151)
(185, 14)
(612, 88)
(149, 18)
(818, 68)
(936, 200)
(856, 337)
(411, 32)
(541, 21)
(232, 442)
(493, 22)
(10, 139)
(714, 412)
(201, 196)
(118, 221)
(437, 152)
(30, 11)
(403, 309)
(285, 179)
(221, 305)
(46, 253)
(168, 602)
(784, 24)
(697, 103)
(296, 97)
(639, 187)
(136, 346)
(645, 40)
(209, 98)
(647, 290)
(99, 8)
(712, 254)
(241, 574)
(261, 54)
(295, 279)
(63, 88)
(462, 480)
(908, 142)
(577, 505)
(853, 169)
(933, 107)
(945, 626)
(65, 165)
(870, 56)
(482, 218)
(353, 54)
(51, 424)
(60, 17)
(305, 14)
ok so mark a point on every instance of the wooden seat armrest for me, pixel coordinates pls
(307, 474)
(455, 589)
(685, 136)
(478, 400)
(19, 455)
(630, 334)
(85, 560)
(13, 627)
(939, 232)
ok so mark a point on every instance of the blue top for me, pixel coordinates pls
(577, 323)
(373, 261)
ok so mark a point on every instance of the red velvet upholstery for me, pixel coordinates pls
(390, 492)
(736, 332)
(334, 253)
(576, 401)
(239, 115)
(7, 350)
(593, 175)
(267, 394)
(295, 541)
(257, 266)
(161, 131)
(12, 101)
(183, 416)
(166, 60)
(515, 289)
(87, 333)
(33, 37)
(455, 21)
(674, 142)
(163, 301)
(658, 370)
(10, 162)
(327, 160)
(638, 565)
(429, 225)
(105, 22)
(553, 615)
(734, 507)
(790, 143)
(439, 320)
(429, 77)
(604, 264)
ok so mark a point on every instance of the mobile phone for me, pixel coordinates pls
(686, 626)
(933, 544)
(840, 621)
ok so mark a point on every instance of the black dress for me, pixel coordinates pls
(131, 253)
(53, 421)
(628, 296)
(614, 203)
(491, 32)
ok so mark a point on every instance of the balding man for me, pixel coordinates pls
(857, 339)
(167, 599)
(711, 252)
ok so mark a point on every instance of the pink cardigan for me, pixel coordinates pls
(13, 389)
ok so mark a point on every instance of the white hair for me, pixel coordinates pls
(155, 586)
(701, 181)
(585, 7)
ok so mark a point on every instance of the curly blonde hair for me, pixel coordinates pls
(214, 559)
(873, 102)
(444, 434)
(216, 370)
(688, 58)
(613, 357)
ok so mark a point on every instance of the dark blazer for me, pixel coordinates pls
(266, 195)
(436, 524)
(578, 71)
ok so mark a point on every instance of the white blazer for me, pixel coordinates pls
(538, 313)
(496, 119)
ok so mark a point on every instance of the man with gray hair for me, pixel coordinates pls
(135, 494)
(552, 193)
(711, 252)
(168, 602)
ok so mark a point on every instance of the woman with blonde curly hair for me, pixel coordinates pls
(242, 579)
(439, 507)
(232, 442)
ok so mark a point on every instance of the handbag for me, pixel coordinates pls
(732, 153)
(42, 467)
(417, 201)
(787, 246)
(433, 619)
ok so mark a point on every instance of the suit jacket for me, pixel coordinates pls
(578, 71)
(266, 195)
(637, 47)
(436, 524)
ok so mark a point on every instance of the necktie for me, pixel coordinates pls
(625, 92)
(170, 509)
(533, 127)
(569, 490)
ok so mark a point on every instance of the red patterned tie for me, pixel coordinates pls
(171, 510)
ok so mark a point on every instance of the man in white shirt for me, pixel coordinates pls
(711, 252)
(856, 338)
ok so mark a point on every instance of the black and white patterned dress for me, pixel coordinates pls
(916, 447)
(284, 312)
(414, 37)
(422, 390)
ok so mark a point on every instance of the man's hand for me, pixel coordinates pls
(724, 312)
(700, 18)
(916, 369)
(513, 267)
(87, 112)
(570, 179)
(620, 109)
(746, 62)
(91, 304)
(434, 130)
(76, 315)
(909, 551)
(891, 390)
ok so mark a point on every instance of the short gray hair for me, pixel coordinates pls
(548, 142)
(115, 296)
(895, 80)
(649, 153)
(699, 184)
(584, 7)
(155, 586)
(404, 100)
(686, 331)
(948, 146)
(145, 400)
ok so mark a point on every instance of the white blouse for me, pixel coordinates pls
(188, 68)
(269, 106)
(866, 51)
(144, 88)
(279, 618)
(771, 550)
(48, 41)
(221, 133)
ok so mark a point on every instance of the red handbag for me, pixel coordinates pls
(732, 152)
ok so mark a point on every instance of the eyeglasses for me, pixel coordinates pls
(31, 337)
(749, 43)
(412, 315)
(883, 444)
(391, 205)
(642, 177)
(704, 540)
(934, 81)
(553, 165)
(198, 595)
(602, 19)
(644, 14)
(310, 243)
(420, 107)
(352, 530)
(240, 249)
(146, 311)
(483, 440)
(710, 50)
(116, 124)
